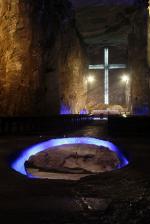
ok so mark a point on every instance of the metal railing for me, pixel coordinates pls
(129, 126)
(34, 125)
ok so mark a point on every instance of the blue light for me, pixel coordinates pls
(141, 110)
(18, 164)
(83, 111)
(65, 110)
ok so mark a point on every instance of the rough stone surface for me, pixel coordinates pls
(138, 63)
(74, 159)
(148, 36)
(105, 22)
(42, 61)
(148, 51)
(72, 69)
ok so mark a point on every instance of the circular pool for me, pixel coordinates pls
(19, 163)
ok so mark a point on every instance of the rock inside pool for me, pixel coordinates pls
(72, 161)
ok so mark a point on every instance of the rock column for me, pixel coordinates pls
(138, 62)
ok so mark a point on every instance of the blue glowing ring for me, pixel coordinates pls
(18, 164)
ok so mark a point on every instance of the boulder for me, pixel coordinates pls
(73, 159)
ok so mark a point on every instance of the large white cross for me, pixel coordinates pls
(106, 66)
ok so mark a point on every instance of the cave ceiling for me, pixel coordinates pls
(105, 22)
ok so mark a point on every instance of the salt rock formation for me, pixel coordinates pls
(42, 60)
(138, 65)
(74, 159)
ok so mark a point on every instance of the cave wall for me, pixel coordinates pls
(42, 63)
(138, 66)
(73, 68)
(148, 36)
(148, 51)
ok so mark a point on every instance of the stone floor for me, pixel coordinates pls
(118, 197)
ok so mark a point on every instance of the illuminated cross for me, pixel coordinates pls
(106, 66)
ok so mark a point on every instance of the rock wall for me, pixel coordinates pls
(72, 69)
(138, 62)
(148, 51)
(148, 38)
(42, 63)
